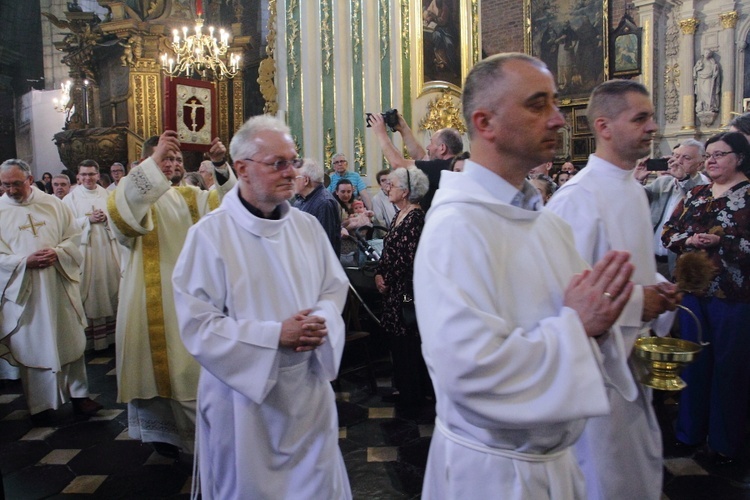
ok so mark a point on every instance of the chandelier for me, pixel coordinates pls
(200, 53)
(61, 104)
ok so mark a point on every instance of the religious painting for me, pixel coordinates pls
(191, 111)
(626, 48)
(570, 36)
(580, 122)
(446, 42)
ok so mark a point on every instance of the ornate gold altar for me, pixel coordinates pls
(117, 94)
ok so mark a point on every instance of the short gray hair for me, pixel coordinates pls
(19, 164)
(312, 170)
(62, 176)
(243, 144)
(694, 144)
(484, 76)
(415, 182)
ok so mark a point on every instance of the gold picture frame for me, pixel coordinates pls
(444, 53)
(571, 37)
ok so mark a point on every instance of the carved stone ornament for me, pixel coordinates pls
(729, 19)
(107, 145)
(689, 26)
(442, 113)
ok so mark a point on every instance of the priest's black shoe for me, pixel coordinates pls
(166, 450)
(85, 406)
(42, 419)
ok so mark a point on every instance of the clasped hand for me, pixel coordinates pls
(303, 332)
(98, 216)
(599, 295)
(41, 259)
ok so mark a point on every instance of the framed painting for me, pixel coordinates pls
(447, 42)
(746, 105)
(580, 122)
(626, 49)
(571, 37)
(191, 110)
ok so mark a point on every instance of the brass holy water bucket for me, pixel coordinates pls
(665, 357)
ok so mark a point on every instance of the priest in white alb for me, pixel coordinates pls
(517, 333)
(41, 314)
(620, 453)
(155, 374)
(100, 273)
(259, 294)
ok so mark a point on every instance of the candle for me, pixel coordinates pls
(199, 8)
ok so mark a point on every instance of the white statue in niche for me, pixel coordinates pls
(707, 79)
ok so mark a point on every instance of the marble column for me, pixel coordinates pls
(727, 55)
(688, 28)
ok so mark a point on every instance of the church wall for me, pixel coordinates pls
(337, 61)
(668, 76)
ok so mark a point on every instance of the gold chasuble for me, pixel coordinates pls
(151, 220)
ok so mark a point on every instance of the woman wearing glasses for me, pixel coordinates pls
(715, 219)
(394, 281)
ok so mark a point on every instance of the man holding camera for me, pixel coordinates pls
(666, 192)
(444, 145)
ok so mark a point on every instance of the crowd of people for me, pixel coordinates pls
(513, 293)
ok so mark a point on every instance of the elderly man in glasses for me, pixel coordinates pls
(262, 315)
(666, 192)
(340, 164)
(155, 374)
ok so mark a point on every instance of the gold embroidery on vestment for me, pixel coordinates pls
(114, 214)
(155, 310)
(32, 225)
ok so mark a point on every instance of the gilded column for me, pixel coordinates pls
(145, 106)
(727, 51)
(238, 103)
(688, 27)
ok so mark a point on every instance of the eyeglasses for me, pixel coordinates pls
(88, 174)
(683, 157)
(279, 165)
(717, 155)
(338, 162)
(13, 185)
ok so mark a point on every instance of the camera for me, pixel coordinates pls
(390, 117)
(657, 164)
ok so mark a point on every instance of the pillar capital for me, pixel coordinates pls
(729, 19)
(689, 26)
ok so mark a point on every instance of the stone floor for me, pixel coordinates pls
(385, 454)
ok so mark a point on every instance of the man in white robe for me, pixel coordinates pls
(259, 294)
(621, 453)
(117, 171)
(41, 315)
(519, 347)
(156, 376)
(100, 274)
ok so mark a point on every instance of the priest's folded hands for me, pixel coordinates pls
(41, 259)
(303, 332)
(599, 295)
